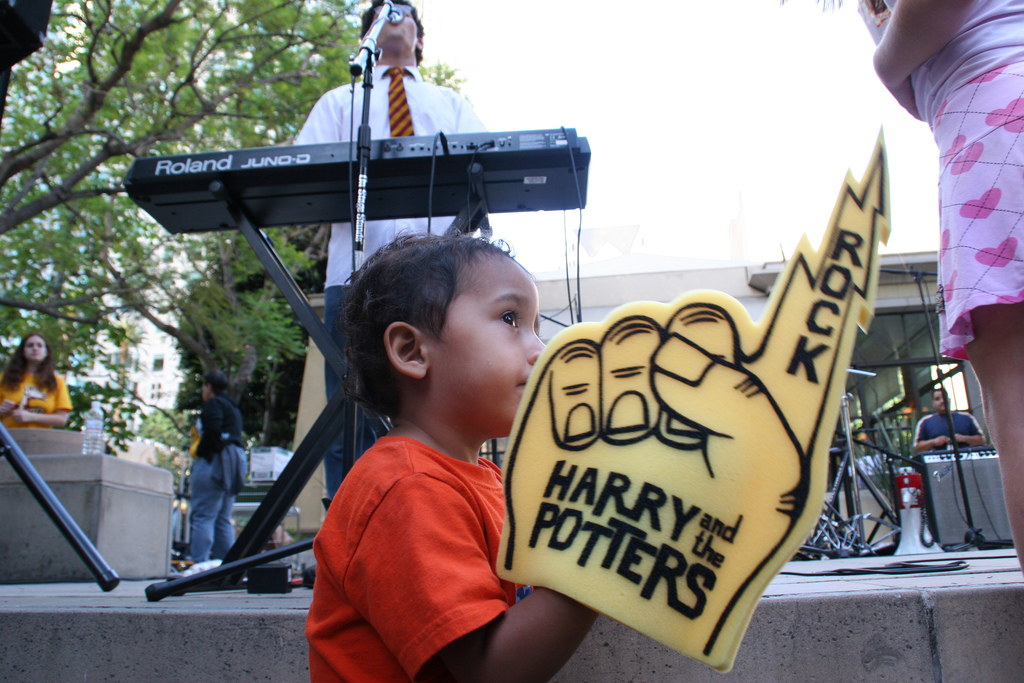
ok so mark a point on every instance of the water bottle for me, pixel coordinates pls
(92, 443)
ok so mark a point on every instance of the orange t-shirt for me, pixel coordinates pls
(405, 564)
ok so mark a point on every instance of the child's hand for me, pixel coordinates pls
(6, 406)
(666, 463)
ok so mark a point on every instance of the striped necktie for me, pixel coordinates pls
(398, 106)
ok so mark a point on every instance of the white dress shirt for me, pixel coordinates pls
(433, 109)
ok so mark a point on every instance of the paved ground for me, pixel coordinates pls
(954, 616)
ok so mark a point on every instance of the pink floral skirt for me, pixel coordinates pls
(981, 201)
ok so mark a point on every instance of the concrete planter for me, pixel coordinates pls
(123, 507)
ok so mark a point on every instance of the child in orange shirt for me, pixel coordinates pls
(442, 338)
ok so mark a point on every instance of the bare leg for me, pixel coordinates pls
(997, 356)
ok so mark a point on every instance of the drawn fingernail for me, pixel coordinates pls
(574, 394)
(629, 418)
(628, 404)
(707, 327)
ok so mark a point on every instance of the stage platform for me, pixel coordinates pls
(832, 620)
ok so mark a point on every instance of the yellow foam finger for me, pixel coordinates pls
(666, 463)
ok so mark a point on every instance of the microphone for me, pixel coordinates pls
(395, 16)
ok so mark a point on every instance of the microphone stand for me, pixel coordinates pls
(973, 536)
(363, 63)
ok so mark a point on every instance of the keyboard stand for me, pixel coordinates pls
(296, 474)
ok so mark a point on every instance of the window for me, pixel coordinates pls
(900, 351)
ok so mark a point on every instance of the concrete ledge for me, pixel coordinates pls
(980, 634)
(42, 441)
(875, 637)
(948, 626)
(123, 507)
(127, 645)
(940, 633)
(76, 469)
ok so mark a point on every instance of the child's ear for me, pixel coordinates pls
(404, 345)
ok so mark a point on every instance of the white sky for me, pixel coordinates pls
(688, 107)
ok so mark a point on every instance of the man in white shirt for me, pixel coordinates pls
(433, 108)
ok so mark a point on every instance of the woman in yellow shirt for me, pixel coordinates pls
(31, 394)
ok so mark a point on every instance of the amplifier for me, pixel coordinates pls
(945, 502)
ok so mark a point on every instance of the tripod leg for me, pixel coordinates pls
(158, 591)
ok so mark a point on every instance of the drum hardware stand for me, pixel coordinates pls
(106, 577)
(836, 537)
(850, 458)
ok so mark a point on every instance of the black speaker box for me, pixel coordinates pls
(945, 501)
(22, 29)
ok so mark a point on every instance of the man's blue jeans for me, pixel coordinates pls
(334, 468)
(212, 532)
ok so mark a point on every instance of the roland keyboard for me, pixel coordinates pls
(538, 170)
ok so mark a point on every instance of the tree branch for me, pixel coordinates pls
(49, 309)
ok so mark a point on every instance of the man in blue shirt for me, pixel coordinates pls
(933, 431)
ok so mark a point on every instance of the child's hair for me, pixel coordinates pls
(413, 280)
